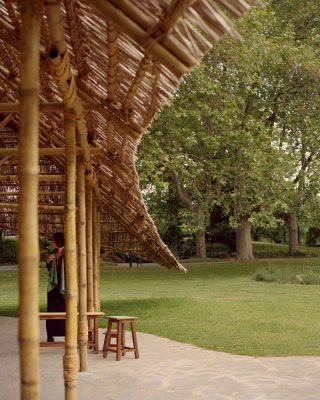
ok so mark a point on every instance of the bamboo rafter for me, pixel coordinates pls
(12, 11)
(112, 68)
(77, 36)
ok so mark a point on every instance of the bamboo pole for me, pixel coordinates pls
(132, 129)
(89, 249)
(82, 252)
(95, 252)
(6, 120)
(4, 161)
(44, 106)
(98, 253)
(61, 70)
(92, 99)
(112, 72)
(28, 250)
(40, 193)
(52, 151)
(49, 178)
(39, 206)
(70, 359)
(132, 29)
(146, 20)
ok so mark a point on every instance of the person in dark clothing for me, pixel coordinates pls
(56, 287)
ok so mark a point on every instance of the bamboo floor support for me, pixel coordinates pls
(82, 254)
(70, 359)
(28, 247)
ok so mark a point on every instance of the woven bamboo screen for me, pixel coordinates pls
(125, 60)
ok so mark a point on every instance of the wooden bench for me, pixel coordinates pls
(93, 339)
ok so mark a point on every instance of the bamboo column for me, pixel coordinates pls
(28, 251)
(70, 359)
(89, 252)
(98, 252)
(95, 252)
(83, 320)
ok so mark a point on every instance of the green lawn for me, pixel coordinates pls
(215, 306)
(264, 249)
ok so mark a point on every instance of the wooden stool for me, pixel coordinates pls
(119, 334)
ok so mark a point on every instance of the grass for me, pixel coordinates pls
(214, 306)
(264, 249)
(306, 274)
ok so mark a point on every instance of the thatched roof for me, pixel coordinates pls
(127, 58)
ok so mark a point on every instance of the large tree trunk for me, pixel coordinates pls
(292, 224)
(243, 240)
(200, 234)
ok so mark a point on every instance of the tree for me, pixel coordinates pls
(241, 130)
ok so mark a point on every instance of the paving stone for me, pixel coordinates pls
(166, 370)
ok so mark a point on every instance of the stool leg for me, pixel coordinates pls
(96, 334)
(123, 340)
(134, 339)
(119, 339)
(107, 340)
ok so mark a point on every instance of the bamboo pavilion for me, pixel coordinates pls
(80, 82)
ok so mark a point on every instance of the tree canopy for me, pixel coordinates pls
(241, 132)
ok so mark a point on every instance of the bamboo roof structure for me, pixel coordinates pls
(115, 64)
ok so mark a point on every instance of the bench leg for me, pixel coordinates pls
(123, 340)
(134, 339)
(107, 340)
(119, 339)
(96, 334)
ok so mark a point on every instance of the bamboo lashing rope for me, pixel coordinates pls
(155, 85)
(144, 66)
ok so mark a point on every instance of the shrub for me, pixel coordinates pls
(312, 236)
(219, 250)
(187, 250)
(8, 251)
(222, 234)
(295, 274)
(45, 248)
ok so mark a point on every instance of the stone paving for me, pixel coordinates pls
(166, 370)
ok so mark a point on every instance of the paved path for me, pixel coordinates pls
(166, 370)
